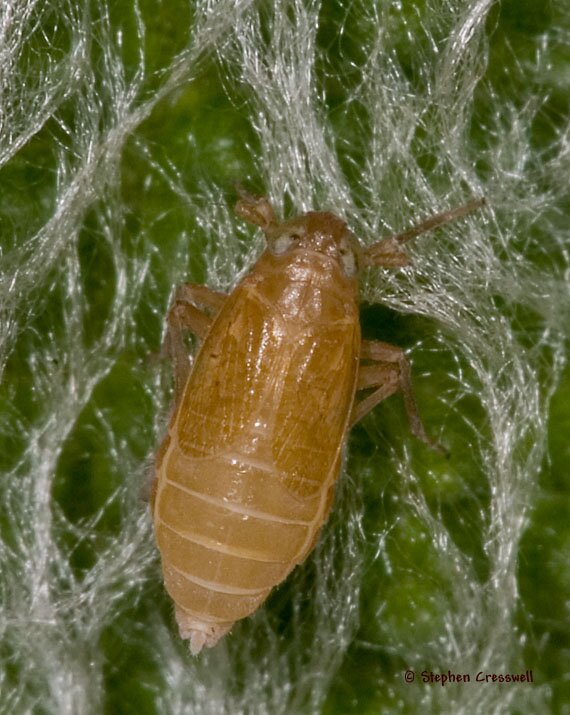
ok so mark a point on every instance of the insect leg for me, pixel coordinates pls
(382, 377)
(388, 251)
(193, 309)
(389, 372)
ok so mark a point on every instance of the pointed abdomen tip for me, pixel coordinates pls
(201, 634)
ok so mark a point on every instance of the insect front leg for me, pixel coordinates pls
(388, 372)
(193, 310)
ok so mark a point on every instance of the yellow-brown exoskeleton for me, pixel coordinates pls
(246, 473)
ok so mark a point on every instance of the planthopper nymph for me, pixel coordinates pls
(246, 473)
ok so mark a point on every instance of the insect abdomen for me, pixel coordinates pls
(228, 539)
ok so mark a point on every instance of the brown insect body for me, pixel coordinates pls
(254, 447)
(246, 473)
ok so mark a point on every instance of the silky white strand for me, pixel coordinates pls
(86, 102)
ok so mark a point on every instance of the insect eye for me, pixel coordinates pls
(284, 242)
(347, 259)
(348, 263)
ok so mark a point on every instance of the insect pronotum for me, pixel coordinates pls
(246, 473)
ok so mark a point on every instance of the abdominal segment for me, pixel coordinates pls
(228, 532)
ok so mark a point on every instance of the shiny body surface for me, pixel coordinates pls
(246, 473)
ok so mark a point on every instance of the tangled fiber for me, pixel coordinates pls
(122, 128)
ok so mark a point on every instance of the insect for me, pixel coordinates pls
(246, 473)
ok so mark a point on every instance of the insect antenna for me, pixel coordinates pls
(389, 252)
(254, 209)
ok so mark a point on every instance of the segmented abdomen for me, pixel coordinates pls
(229, 531)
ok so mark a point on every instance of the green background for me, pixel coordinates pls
(208, 136)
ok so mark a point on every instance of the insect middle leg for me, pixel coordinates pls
(389, 371)
(193, 310)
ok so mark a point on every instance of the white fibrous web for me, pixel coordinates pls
(121, 132)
